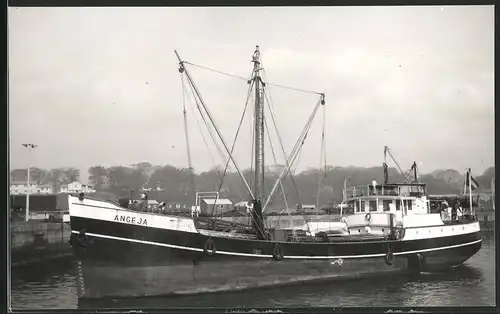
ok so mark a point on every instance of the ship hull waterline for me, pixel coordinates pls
(136, 261)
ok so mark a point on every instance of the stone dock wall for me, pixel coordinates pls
(37, 241)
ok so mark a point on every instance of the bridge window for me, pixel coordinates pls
(385, 204)
(373, 206)
(398, 204)
(408, 204)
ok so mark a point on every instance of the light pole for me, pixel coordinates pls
(29, 147)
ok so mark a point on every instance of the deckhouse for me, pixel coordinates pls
(375, 208)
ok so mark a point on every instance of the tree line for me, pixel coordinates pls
(178, 184)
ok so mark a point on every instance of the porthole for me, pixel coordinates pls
(417, 232)
(452, 229)
(382, 229)
(441, 229)
(429, 230)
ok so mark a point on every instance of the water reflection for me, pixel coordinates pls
(44, 286)
(42, 272)
(427, 290)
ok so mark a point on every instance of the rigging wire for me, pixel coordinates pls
(245, 79)
(281, 183)
(297, 162)
(252, 155)
(191, 107)
(321, 160)
(188, 147)
(209, 128)
(198, 94)
(231, 151)
(210, 131)
(295, 89)
(236, 135)
(216, 71)
(242, 78)
(296, 149)
(297, 146)
(287, 87)
(275, 162)
(234, 143)
(323, 147)
(271, 111)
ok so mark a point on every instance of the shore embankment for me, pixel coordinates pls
(38, 241)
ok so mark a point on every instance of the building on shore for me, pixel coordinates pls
(42, 206)
(36, 187)
(76, 187)
(21, 187)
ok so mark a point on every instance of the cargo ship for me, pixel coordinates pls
(125, 251)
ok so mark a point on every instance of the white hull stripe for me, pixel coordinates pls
(263, 255)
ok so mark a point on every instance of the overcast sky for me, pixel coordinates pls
(100, 86)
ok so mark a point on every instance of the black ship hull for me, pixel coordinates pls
(117, 259)
(200, 274)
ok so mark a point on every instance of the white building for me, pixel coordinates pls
(76, 187)
(308, 207)
(220, 205)
(45, 189)
(20, 187)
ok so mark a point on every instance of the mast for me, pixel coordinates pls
(470, 190)
(258, 129)
(386, 173)
(258, 193)
(414, 167)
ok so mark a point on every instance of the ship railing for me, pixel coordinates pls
(383, 190)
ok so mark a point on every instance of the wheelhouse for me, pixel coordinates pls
(406, 198)
(378, 208)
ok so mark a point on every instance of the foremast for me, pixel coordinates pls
(258, 128)
(258, 223)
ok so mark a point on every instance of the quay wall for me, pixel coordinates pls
(37, 241)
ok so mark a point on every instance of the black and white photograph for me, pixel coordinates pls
(251, 158)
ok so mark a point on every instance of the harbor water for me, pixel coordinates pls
(53, 287)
